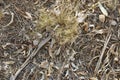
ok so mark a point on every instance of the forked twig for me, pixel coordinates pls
(41, 44)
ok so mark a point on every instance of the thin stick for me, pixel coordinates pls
(41, 44)
(102, 53)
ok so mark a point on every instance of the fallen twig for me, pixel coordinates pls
(41, 44)
(102, 53)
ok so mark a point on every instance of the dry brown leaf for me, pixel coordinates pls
(103, 10)
(85, 26)
(44, 64)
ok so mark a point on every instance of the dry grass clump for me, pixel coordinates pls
(62, 20)
(1, 15)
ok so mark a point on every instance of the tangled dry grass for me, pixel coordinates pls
(59, 40)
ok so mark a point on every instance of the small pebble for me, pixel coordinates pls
(35, 42)
(102, 18)
(113, 22)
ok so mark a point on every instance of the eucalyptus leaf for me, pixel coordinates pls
(103, 10)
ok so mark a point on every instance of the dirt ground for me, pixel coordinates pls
(59, 40)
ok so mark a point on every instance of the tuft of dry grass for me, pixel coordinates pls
(62, 20)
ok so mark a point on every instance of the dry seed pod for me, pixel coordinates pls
(102, 18)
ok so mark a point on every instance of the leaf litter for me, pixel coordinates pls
(59, 40)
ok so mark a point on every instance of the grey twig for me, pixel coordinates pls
(41, 44)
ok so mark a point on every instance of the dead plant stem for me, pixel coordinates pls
(102, 53)
(41, 44)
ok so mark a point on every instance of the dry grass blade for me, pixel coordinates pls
(102, 53)
(41, 44)
(11, 21)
